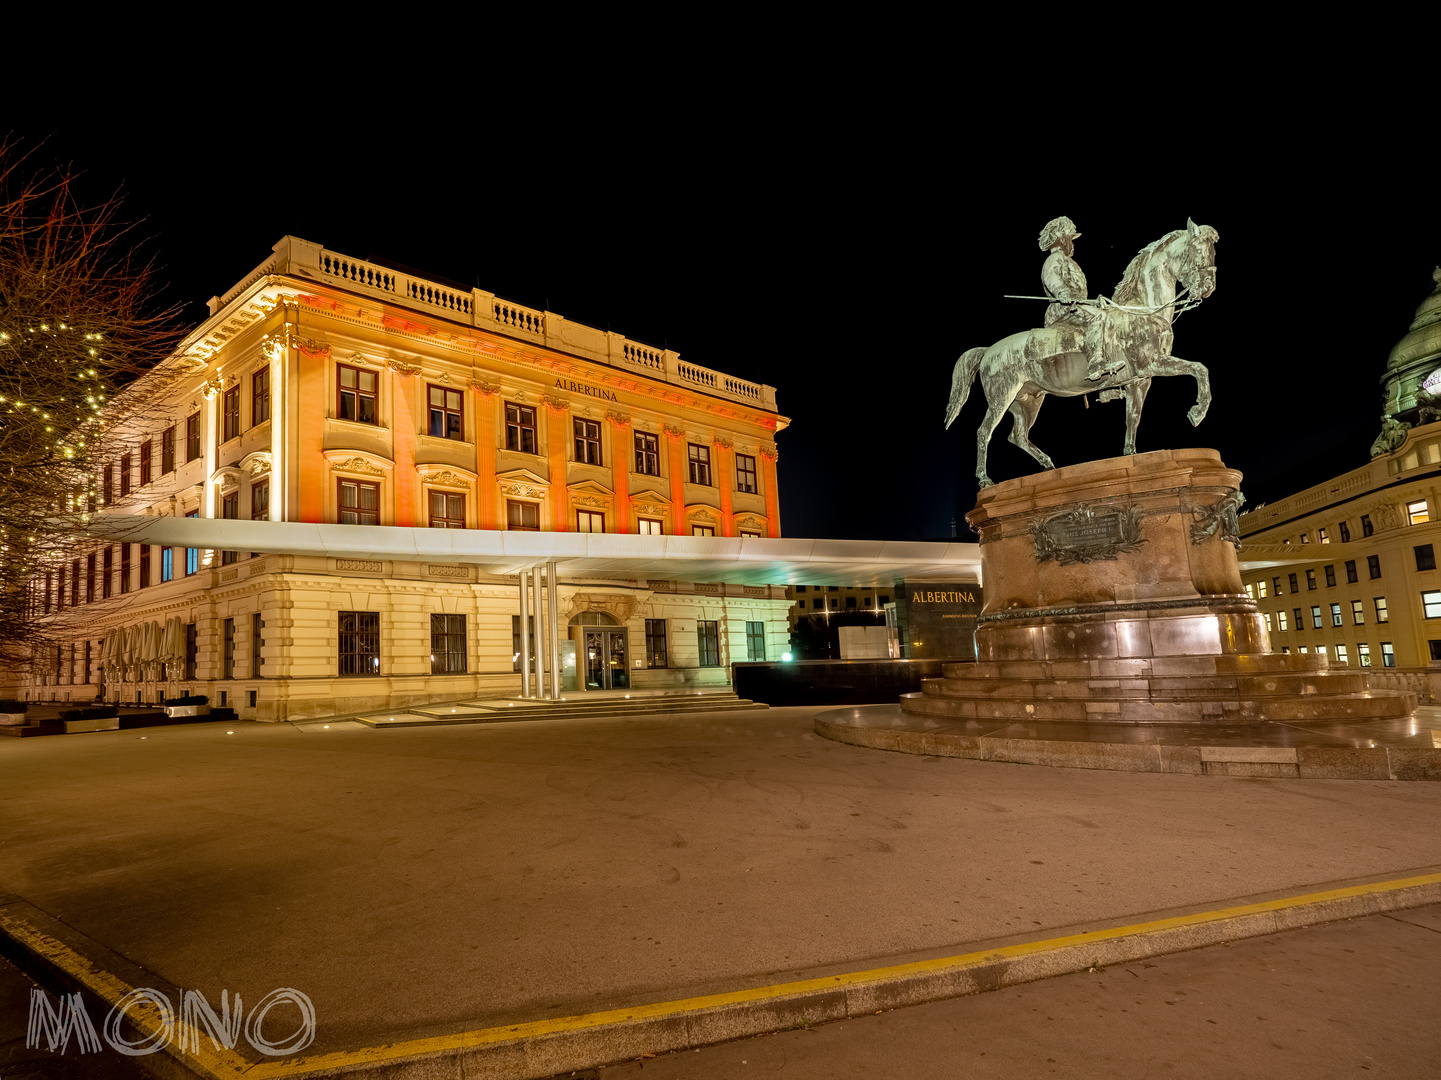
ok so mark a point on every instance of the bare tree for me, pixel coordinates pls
(79, 319)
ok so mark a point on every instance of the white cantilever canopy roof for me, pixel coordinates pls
(743, 560)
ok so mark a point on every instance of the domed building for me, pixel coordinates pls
(1348, 567)
(1412, 383)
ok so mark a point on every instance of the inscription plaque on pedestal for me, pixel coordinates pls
(1083, 534)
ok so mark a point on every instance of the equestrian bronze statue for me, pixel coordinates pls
(1115, 346)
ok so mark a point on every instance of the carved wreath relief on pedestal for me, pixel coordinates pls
(1085, 534)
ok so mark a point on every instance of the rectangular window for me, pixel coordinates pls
(649, 527)
(125, 465)
(167, 451)
(1336, 614)
(260, 397)
(1366, 529)
(1310, 579)
(702, 530)
(1291, 578)
(1388, 655)
(1381, 614)
(260, 500)
(1425, 557)
(447, 644)
(360, 643)
(89, 659)
(107, 486)
(257, 642)
(587, 441)
(447, 415)
(1358, 613)
(1251, 591)
(1363, 654)
(851, 603)
(707, 635)
(447, 510)
(357, 390)
(1305, 538)
(1416, 514)
(1267, 614)
(746, 474)
(647, 454)
(1431, 603)
(1300, 622)
(107, 578)
(124, 568)
(1351, 571)
(145, 451)
(1281, 621)
(1316, 616)
(145, 566)
(1276, 584)
(227, 649)
(192, 437)
(90, 579)
(520, 428)
(230, 414)
(192, 650)
(74, 582)
(1435, 647)
(192, 555)
(699, 464)
(655, 653)
(752, 535)
(515, 664)
(230, 510)
(589, 521)
(1261, 589)
(755, 641)
(1341, 653)
(522, 515)
(359, 502)
(1345, 532)
(1373, 564)
(1321, 535)
(1330, 576)
(167, 564)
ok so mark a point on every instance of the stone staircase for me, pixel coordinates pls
(1234, 688)
(584, 706)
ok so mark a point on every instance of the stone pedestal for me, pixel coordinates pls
(1113, 594)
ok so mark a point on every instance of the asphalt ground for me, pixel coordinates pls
(436, 880)
(1346, 999)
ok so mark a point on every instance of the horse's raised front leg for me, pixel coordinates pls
(1173, 365)
(1135, 398)
(1023, 415)
(983, 438)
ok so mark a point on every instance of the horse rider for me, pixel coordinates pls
(1066, 285)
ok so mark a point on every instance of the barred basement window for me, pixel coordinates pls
(447, 644)
(655, 651)
(708, 641)
(755, 641)
(360, 643)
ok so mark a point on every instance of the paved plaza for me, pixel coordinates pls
(421, 882)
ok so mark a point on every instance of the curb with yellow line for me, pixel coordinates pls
(545, 1048)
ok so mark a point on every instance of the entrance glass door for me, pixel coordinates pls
(606, 665)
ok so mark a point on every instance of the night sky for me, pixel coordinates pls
(847, 254)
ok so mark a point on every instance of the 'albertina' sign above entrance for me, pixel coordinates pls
(588, 391)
